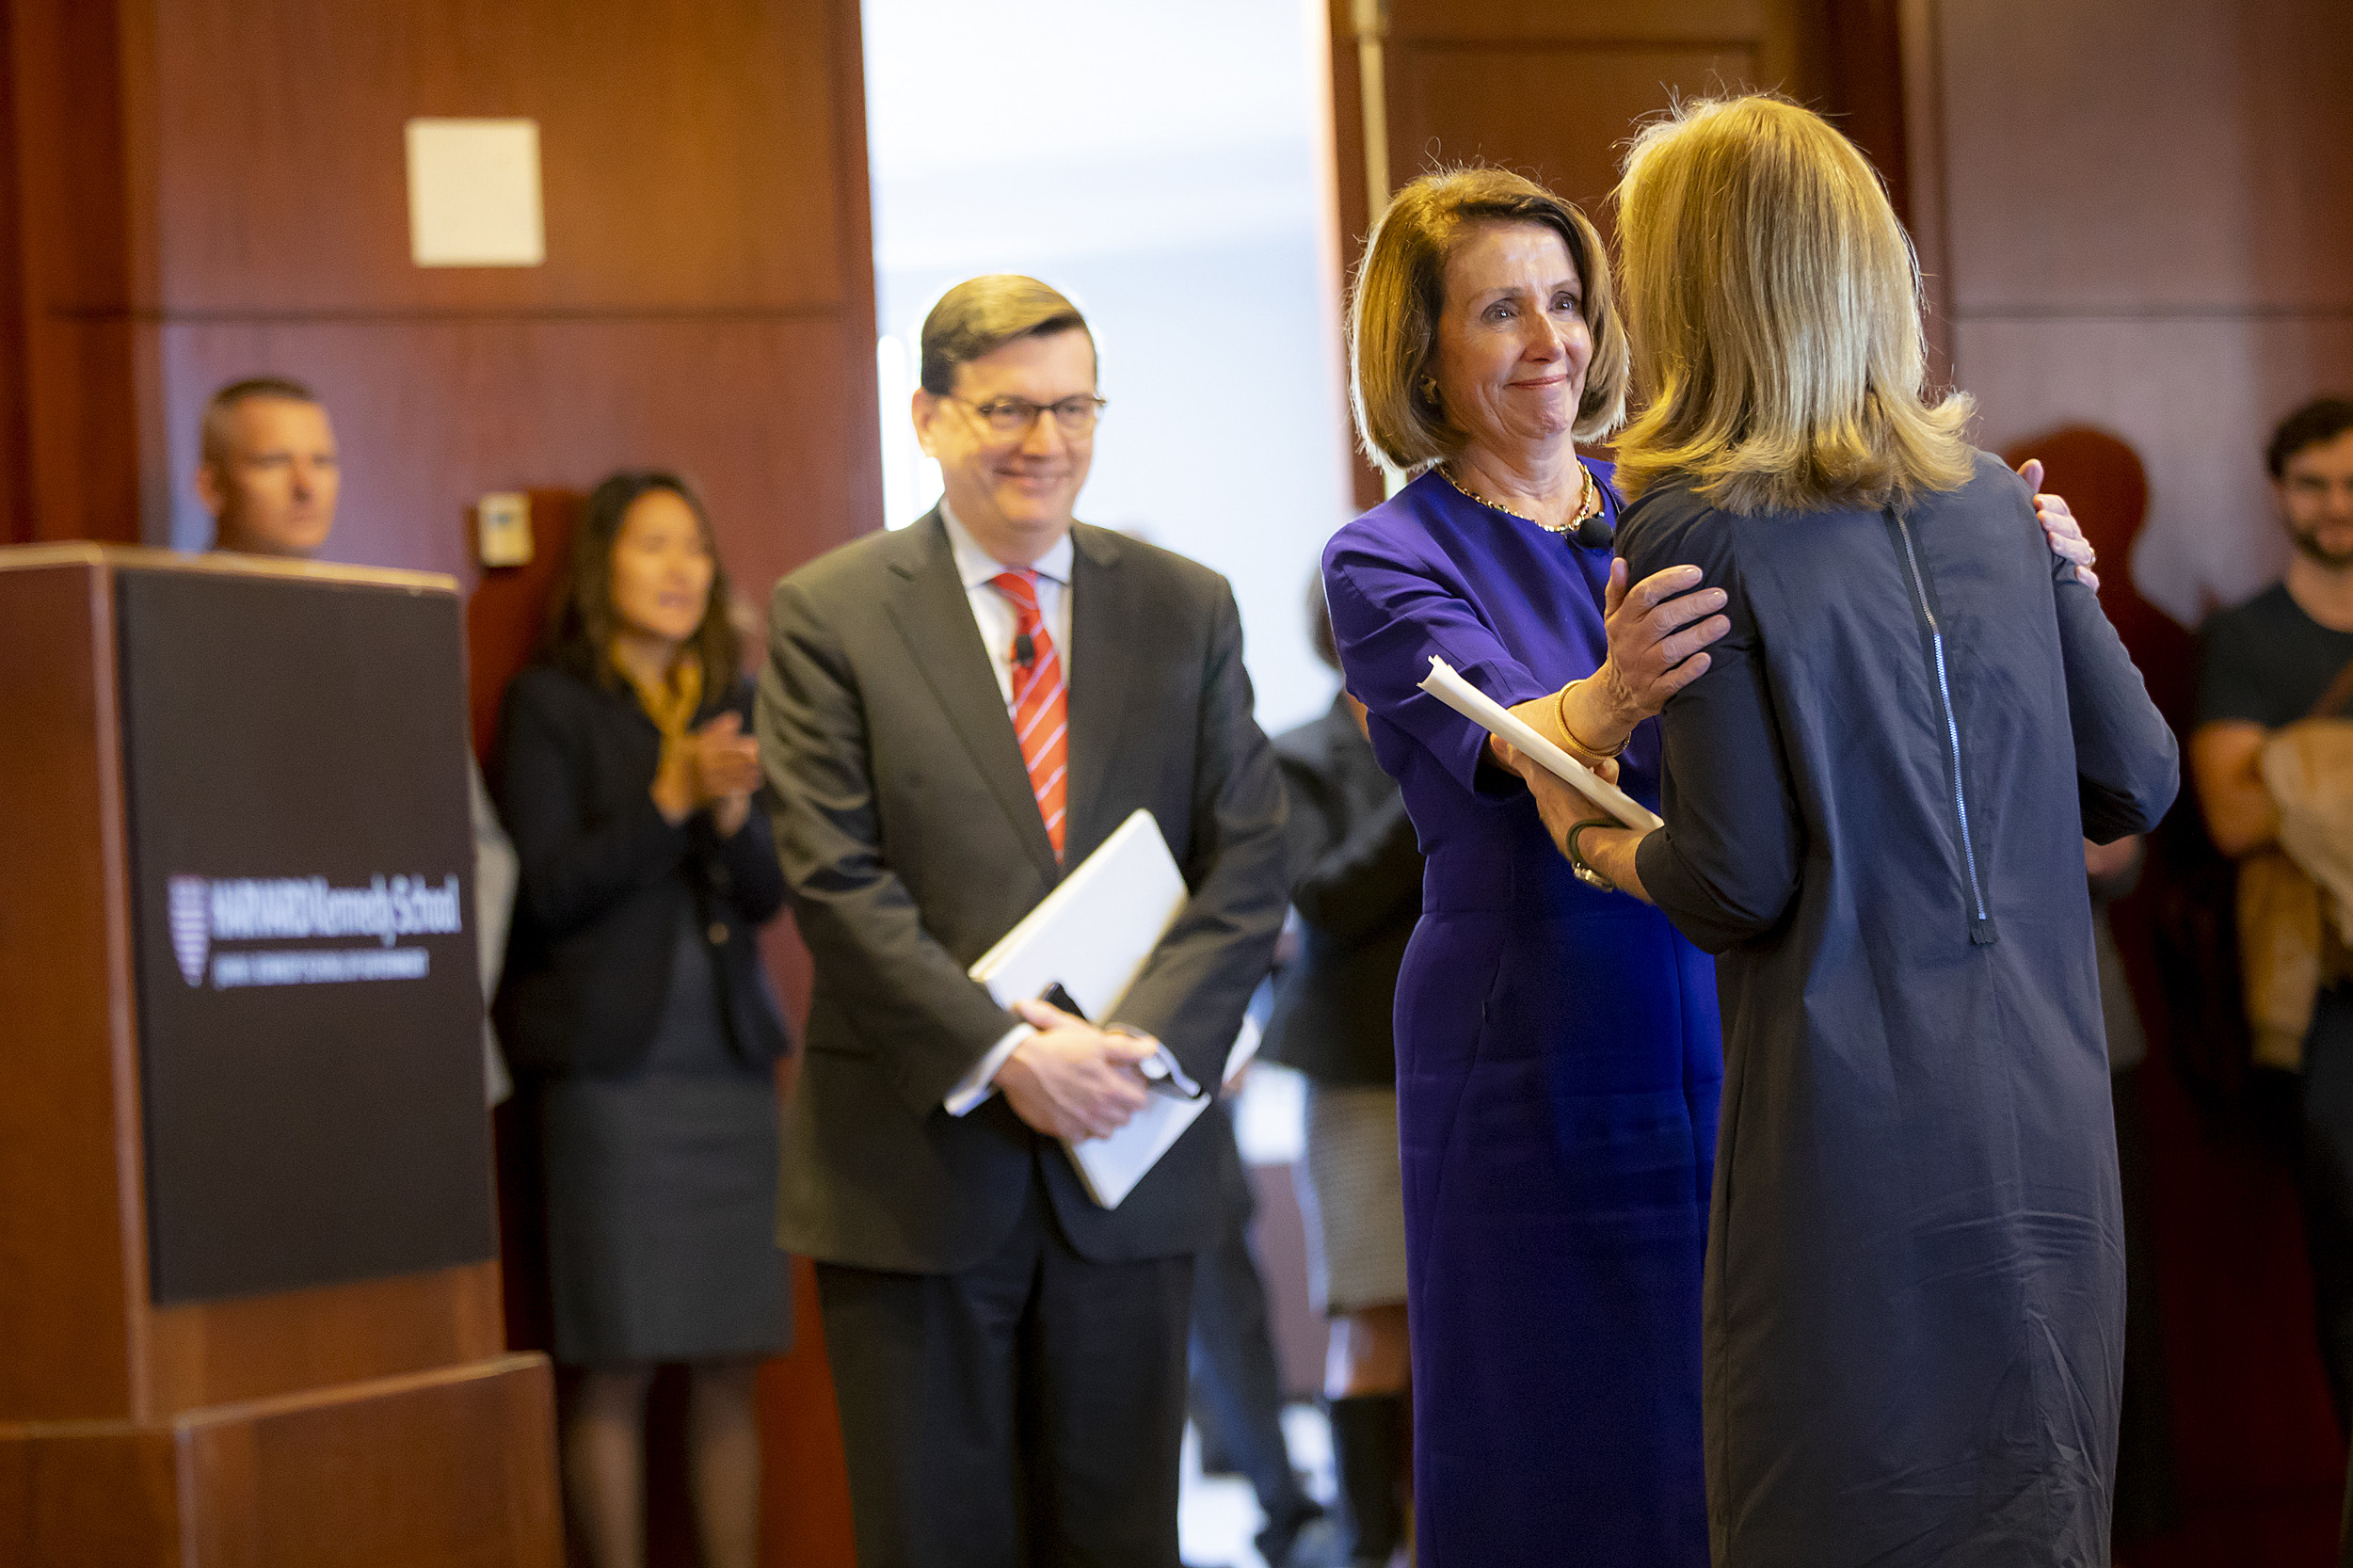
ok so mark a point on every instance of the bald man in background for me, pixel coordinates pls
(267, 473)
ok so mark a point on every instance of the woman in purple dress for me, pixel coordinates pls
(1558, 1049)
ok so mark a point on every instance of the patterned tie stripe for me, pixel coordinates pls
(1040, 717)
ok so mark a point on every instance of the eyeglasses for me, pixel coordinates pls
(1012, 418)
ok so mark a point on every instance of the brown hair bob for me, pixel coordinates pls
(1399, 292)
(580, 622)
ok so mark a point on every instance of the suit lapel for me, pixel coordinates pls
(1102, 620)
(935, 617)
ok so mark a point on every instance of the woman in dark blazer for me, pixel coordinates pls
(635, 1000)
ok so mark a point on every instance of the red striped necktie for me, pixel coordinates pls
(1041, 720)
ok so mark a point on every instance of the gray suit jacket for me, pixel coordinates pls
(911, 842)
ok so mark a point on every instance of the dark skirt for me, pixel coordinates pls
(662, 1197)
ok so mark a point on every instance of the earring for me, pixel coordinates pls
(1429, 388)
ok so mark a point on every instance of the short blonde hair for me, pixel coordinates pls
(1400, 293)
(1774, 304)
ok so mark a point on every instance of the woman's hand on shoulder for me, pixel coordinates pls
(1659, 630)
(2064, 535)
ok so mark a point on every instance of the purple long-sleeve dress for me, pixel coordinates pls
(1558, 1072)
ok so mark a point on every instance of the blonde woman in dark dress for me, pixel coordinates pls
(1876, 799)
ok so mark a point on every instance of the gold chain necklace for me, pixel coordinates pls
(1588, 501)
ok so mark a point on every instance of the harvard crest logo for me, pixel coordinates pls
(189, 902)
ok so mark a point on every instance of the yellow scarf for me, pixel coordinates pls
(672, 706)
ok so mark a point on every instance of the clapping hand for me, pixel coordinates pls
(727, 768)
(717, 767)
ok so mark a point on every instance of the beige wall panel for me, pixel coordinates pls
(2195, 398)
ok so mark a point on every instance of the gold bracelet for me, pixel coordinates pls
(1561, 717)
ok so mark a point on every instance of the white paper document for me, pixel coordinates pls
(1491, 716)
(1092, 937)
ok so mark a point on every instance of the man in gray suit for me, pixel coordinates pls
(953, 716)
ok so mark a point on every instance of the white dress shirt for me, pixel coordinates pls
(993, 613)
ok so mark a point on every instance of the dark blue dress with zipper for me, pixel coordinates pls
(1875, 801)
(1558, 1072)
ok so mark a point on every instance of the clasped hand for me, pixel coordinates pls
(1071, 1080)
(717, 767)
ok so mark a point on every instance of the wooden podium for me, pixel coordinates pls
(250, 1306)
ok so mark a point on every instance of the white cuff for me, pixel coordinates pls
(980, 1083)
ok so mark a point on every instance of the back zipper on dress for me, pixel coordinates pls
(1981, 928)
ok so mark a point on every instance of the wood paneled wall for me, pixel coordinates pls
(196, 190)
(212, 188)
(2146, 224)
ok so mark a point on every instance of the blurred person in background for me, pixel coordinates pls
(1357, 885)
(2276, 681)
(1237, 1399)
(266, 469)
(636, 1002)
(268, 472)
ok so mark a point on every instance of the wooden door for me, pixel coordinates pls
(1554, 88)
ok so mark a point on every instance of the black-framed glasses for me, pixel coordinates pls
(1012, 418)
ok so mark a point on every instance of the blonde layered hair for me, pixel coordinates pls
(1774, 308)
(1400, 293)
